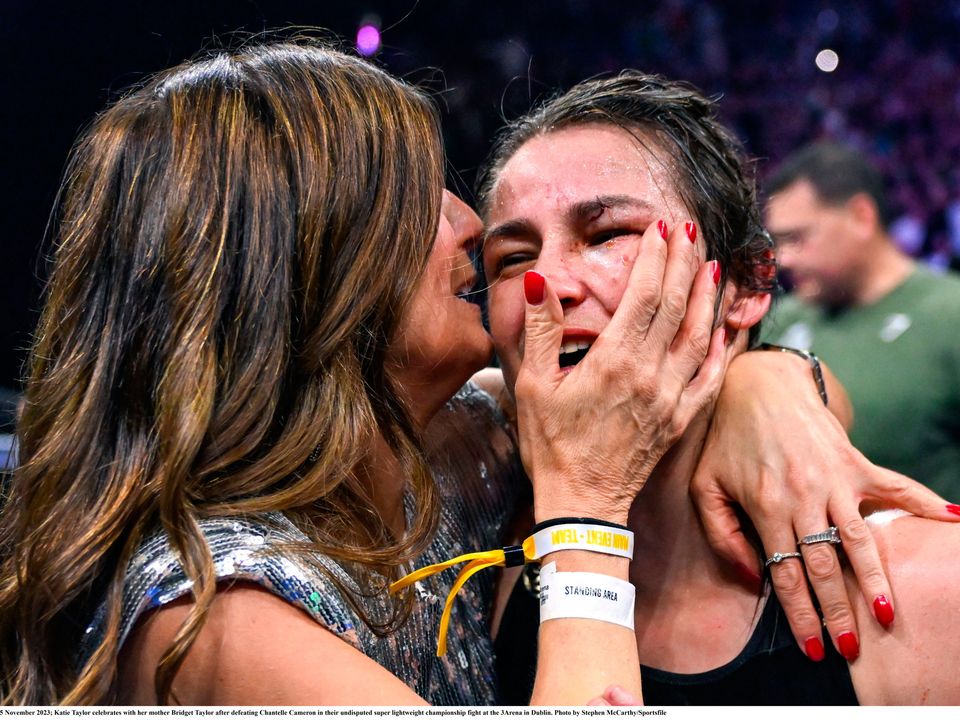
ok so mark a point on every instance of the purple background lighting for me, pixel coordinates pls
(368, 40)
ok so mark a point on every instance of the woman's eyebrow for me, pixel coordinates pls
(579, 212)
(509, 229)
(592, 209)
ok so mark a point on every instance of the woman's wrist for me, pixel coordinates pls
(580, 496)
(551, 509)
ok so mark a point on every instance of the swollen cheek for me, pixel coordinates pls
(605, 268)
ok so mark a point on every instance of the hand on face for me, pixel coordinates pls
(581, 207)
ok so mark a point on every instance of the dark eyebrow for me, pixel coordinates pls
(582, 211)
(592, 209)
(509, 229)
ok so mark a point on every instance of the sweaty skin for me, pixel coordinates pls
(580, 228)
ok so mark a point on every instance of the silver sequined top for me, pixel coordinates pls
(475, 466)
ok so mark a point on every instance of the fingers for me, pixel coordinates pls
(680, 270)
(641, 298)
(861, 550)
(884, 488)
(826, 578)
(617, 696)
(543, 331)
(724, 532)
(790, 583)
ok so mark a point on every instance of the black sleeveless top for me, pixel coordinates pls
(770, 670)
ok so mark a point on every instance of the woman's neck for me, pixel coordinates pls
(383, 475)
(668, 535)
(692, 612)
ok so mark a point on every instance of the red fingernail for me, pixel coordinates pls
(533, 287)
(883, 610)
(662, 227)
(848, 645)
(955, 509)
(691, 229)
(716, 271)
(814, 649)
(748, 577)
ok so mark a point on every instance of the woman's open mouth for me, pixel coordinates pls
(573, 351)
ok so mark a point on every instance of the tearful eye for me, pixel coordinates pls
(609, 236)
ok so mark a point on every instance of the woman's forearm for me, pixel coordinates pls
(577, 657)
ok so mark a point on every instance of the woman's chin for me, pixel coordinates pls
(433, 375)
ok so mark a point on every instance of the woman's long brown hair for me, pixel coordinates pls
(237, 241)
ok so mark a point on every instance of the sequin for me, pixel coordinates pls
(475, 465)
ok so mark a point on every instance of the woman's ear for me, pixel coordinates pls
(746, 308)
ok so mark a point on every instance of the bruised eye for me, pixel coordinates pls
(608, 235)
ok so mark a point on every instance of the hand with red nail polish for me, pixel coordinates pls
(883, 610)
(533, 284)
(849, 646)
(813, 647)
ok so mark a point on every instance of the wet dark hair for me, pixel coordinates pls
(837, 173)
(714, 179)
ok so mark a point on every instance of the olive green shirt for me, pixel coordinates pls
(899, 360)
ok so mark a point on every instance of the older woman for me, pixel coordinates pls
(574, 190)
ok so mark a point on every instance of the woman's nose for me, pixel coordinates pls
(564, 273)
(464, 221)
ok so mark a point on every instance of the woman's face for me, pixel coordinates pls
(442, 341)
(572, 205)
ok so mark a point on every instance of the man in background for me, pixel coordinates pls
(888, 328)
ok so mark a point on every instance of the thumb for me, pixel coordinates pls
(543, 327)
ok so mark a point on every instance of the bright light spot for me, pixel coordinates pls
(368, 40)
(827, 60)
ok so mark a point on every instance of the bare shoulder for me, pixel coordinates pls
(915, 661)
(255, 649)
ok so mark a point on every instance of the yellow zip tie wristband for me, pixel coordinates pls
(510, 556)
(606, 539)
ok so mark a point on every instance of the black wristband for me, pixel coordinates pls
(812, 359)
(576, 521)
(513, 556)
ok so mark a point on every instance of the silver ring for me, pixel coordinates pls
(830, 535)
(780, 557)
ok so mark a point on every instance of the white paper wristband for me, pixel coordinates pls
(571, 536)
(585, 595)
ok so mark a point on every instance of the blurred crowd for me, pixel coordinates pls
(894, 93)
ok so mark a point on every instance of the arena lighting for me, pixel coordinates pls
(368, 40)
(828, 20)
(827, 60)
